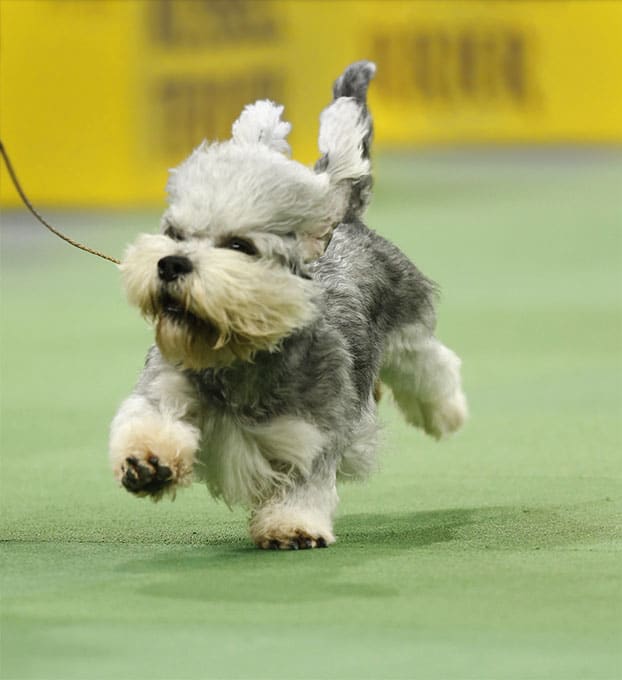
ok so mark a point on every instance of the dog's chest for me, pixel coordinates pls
(246, 395)
(243, 464)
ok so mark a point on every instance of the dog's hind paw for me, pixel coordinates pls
(444, 417)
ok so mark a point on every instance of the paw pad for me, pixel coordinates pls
(146, 477)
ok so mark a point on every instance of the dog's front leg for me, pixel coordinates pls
(155, 434)
(298, 517)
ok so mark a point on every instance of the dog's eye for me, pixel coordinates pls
(241, 245)
(174, 233)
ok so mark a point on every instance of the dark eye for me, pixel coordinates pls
(242, 245)
(174, 233)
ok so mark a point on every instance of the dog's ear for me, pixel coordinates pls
(260, 123)
(313, 245)
(346, 130)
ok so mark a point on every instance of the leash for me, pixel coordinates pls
(32, 209)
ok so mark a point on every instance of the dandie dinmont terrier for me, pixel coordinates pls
(277, 313)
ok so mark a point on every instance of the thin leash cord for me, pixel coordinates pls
(32, 209)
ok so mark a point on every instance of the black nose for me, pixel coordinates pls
(171, 267)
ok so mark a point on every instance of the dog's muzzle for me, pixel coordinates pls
(172, 267)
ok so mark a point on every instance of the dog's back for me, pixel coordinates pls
(372, 289)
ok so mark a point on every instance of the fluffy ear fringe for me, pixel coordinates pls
(260, 123)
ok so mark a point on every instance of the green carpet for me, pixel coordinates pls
(495, 554)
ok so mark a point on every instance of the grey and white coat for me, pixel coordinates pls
(277, 312)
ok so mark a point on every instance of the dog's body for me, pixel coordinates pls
(277, 312)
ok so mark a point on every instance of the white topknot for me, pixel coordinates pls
(260, 123)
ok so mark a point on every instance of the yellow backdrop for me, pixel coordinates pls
(99, 97)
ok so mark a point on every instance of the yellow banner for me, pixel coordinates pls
(99, 98)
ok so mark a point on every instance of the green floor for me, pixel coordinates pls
(493, 555)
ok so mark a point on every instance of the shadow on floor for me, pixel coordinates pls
(241, 573)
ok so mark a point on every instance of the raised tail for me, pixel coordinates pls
(346, 130)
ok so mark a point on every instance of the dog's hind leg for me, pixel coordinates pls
(424, 377)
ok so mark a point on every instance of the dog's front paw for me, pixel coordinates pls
(283, 527)
(144, 473)
(153, 456)
(441, 418)
(296, 539)
(146, 477)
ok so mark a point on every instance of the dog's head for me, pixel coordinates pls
(227, 275)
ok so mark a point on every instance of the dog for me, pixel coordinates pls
(277, 315)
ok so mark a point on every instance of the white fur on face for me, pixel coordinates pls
(245, 304)
(232, 305)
